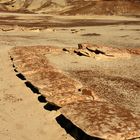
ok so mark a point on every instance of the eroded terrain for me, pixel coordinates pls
(73, 78)
(108, 95)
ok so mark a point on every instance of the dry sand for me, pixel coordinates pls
(21, 114)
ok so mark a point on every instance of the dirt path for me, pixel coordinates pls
(22, 116)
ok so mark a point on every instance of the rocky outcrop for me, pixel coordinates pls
(102, 98)
(73, 7)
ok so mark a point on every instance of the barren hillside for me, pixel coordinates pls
(72, 7)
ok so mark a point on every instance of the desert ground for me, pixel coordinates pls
(22, 114)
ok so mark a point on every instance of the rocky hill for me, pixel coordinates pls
(73, 7)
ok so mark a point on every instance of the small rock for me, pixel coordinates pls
(83, 53)
(66, 50)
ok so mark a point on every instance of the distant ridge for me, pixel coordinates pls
(73, 7)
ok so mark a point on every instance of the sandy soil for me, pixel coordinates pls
(21, 114)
